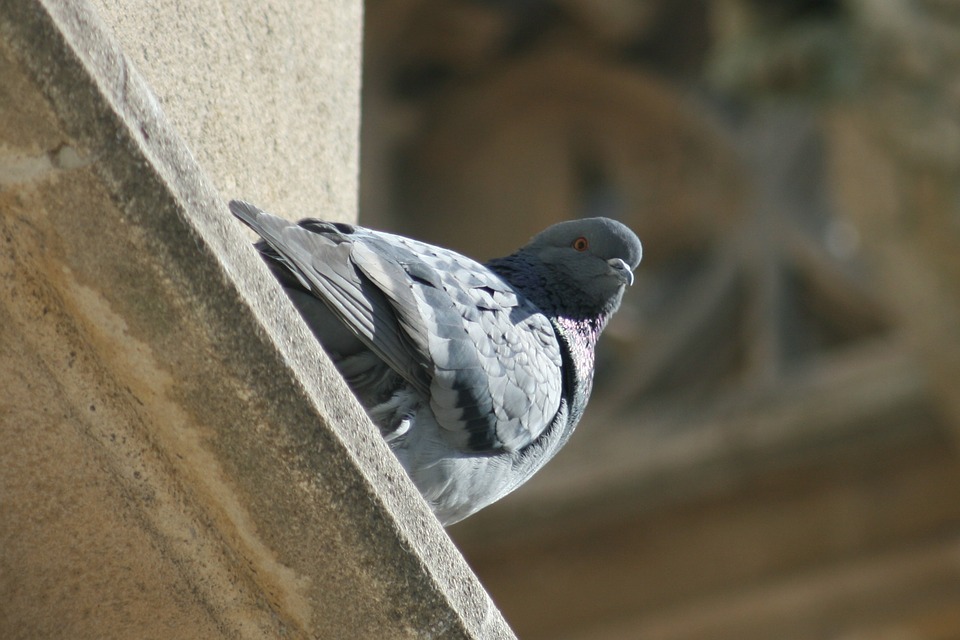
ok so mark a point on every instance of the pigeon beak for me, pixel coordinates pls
(622, 269)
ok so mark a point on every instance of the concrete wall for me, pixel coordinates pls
(177, 457)
(265, 95)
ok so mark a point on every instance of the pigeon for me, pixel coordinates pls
(475, 374)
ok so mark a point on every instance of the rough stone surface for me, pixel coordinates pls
(265, 94)
(177, 457)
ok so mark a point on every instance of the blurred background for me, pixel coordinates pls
(771, 449)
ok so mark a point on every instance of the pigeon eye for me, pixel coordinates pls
(580, 244)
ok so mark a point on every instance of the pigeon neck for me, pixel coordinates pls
(524, 276)
(533, 280)
(579, 339)
(578, 330)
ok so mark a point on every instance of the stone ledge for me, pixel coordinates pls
(179, 457)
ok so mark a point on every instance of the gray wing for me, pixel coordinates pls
(486, 358)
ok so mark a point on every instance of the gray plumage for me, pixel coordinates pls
(475, 374)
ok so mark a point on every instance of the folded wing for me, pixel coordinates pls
(485, 357)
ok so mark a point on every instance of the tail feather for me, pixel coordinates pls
(270, 228)
(246, 212)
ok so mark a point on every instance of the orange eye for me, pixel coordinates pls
(580, 244)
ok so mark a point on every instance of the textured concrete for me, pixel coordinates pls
(265, 94)
(177, 457)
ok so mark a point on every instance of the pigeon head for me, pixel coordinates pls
(595, 255)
